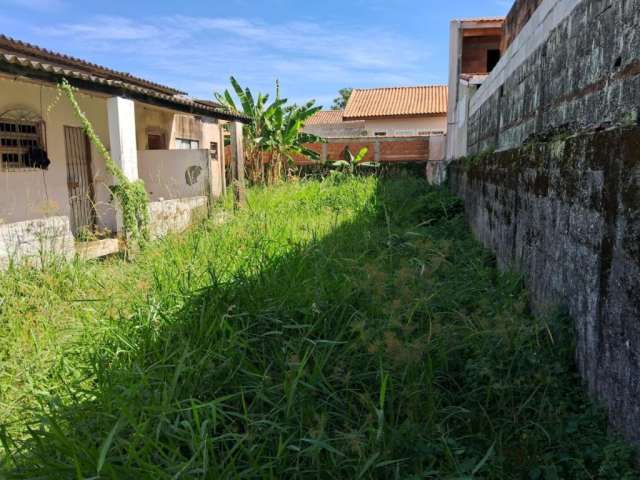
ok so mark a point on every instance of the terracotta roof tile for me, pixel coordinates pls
(326, 117)
(397, 102)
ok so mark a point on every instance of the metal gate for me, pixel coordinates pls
(79, 180)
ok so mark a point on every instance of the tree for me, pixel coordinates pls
(274, 135)
(340, 103)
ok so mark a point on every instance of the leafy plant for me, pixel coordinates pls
(132, 198)
(350, 162)
(274, 137)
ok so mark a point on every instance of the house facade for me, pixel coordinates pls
(54, 187)
(475, 48)
(398, 124)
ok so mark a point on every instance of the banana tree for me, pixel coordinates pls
(275, 134)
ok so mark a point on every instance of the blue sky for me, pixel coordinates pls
(314, 47)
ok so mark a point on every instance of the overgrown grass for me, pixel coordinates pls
(342, 329)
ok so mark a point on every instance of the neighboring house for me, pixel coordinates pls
(475, 48)
(397, 124)
(53, 182)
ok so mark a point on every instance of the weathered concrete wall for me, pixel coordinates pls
(176, 215)
(575, 65)
(36, 241)
(566, 213)
(173, 174)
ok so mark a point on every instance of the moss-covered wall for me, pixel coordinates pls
(566, 213)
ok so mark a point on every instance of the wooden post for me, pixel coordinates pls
(237, 164)
(223, 161)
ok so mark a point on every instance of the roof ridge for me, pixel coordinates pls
(406, 87)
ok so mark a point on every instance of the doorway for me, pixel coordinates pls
(79, 181)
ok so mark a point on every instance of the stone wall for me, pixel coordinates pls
(174, 216)
(566, 213)
(552, 184)
(574, 66)
(36, 242)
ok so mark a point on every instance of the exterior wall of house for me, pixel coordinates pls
(173, 174)
(152, 120)
(34, 194)
(469, 43)
(35, 204)
(406, 127)
(475, 53)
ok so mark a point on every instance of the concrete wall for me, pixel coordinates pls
(36, 242)
(567, 214)
(173, 174)
(559, 199)
(174, 216)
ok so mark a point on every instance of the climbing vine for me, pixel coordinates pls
(131, 195)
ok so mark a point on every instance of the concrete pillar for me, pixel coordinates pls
(377, 151)
(237, 162)
(122, 135)
(325, 152)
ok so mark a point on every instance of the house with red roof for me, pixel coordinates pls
(396, 124)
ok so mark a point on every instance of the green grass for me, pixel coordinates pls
(342, 329)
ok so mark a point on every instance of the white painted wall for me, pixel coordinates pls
(164, 173)
(32, 194)
(122, 132)
(392, 126)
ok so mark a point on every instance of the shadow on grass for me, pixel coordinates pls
(387, 348)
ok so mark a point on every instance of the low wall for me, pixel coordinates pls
(174, 174)
(36, 241)
(566, 213)
(174, 216)
(380, 149)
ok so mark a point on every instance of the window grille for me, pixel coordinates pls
(21, 140)
(187, 144)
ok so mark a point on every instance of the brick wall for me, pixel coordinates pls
(475, 53)
(391, 149)
(411, 150)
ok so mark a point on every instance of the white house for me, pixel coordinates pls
(54, 188)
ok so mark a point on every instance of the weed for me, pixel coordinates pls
(348, 329)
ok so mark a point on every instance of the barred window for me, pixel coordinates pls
(21, 134)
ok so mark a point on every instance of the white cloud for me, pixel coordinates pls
(194, 53)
